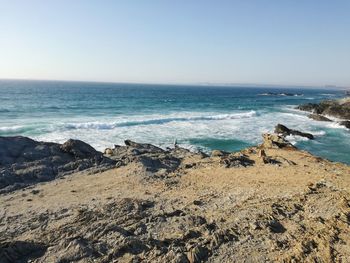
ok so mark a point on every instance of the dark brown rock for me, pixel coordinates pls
(281, 129)
(79, 149)
(336, 108)
(318, 117)
(345, 123)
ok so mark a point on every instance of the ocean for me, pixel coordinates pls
(197, 117)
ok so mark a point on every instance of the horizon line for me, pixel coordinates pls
(214, 84)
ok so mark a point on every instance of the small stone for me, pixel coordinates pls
(108, 151)
(218, 153)
(197, 202)
(34, 192)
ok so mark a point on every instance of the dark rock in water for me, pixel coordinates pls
(24, 161)
(336, 108)
(318, 117)
(338, 111)
(345, 123)
(281, 129)
(312, 107)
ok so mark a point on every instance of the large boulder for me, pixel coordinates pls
(285, 131)
(79, 149)
(24, 161)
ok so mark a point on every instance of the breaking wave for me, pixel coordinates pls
(157, 121)
(16, 128)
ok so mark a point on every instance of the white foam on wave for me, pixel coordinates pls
(319, 133)
(185, 117)
(335, 125)
(90, 125)
(11, 128)
(295, 139)
(245, 126)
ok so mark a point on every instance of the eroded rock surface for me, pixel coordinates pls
(318, 117)
(270, 203)
(152, 158)
(275, 141)
(204, 226)
(24, 161)
(335, 108)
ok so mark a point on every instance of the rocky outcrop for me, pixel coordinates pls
(335, 108)
(276, 204)
(345, 123)
(275, 141)
(318, 117)
(152, 158)
(161, 162)
(281, 129)
(24, 161)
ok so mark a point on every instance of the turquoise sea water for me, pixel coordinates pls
(198, 117)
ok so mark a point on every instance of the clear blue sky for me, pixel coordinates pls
(303, 42)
